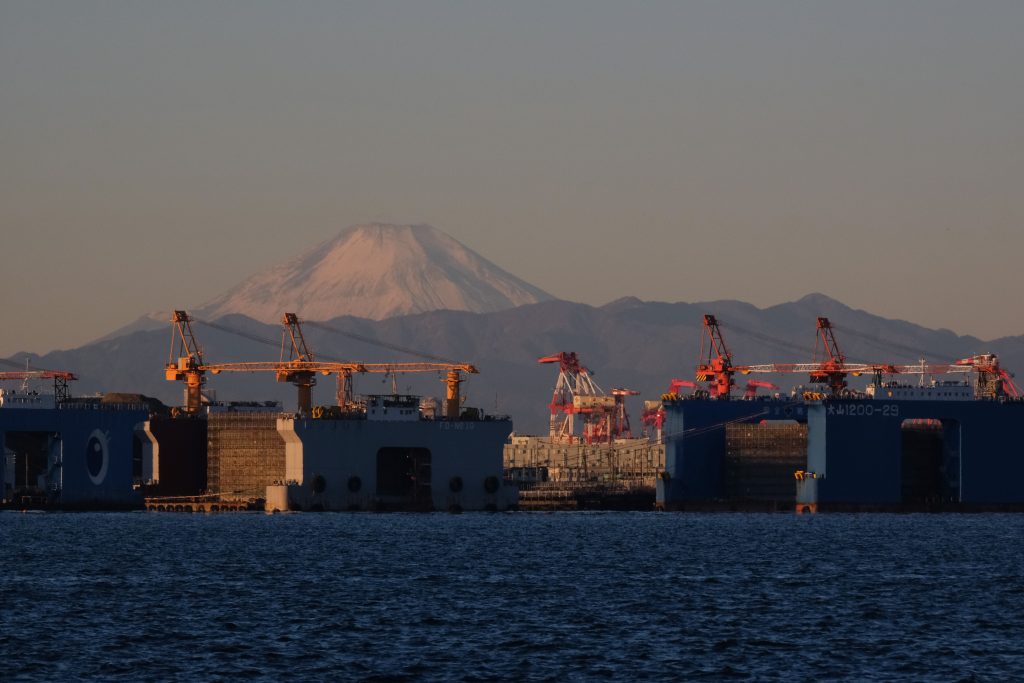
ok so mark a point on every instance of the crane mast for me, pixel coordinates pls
(298, 352)
(715, 367)
(186, 361)
(831, 361)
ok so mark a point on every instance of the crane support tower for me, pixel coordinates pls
(831, 361)
(186, 361)
(298, 353)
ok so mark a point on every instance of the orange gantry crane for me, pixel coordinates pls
(830, 366)
(297, 365)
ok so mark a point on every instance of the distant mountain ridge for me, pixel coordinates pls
(377, 271)
(630, 343)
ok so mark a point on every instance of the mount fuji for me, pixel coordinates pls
(377, 271)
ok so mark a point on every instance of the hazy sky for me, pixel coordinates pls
(153, 154)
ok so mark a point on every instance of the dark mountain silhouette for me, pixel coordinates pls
(626, 343)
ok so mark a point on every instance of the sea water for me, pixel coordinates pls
(511, 596)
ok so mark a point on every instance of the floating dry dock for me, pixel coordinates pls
(833, 454)
(861, 454)
(115, 453)
(385, 454)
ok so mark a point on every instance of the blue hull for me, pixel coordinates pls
(72, 457)
(857, 453)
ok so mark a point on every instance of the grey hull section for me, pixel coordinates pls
(371, 465)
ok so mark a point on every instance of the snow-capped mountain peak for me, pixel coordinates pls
(377, 271)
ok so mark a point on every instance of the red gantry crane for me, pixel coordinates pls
(831, 368)
(604, 417)
(573, 386)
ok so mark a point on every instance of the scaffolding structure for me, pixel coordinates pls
(245, 454)
(760, 460)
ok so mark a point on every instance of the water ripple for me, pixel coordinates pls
(534, 597)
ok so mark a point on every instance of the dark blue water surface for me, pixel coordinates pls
(580, 596)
